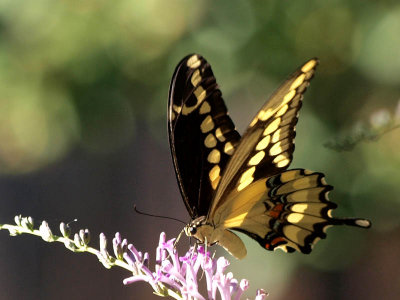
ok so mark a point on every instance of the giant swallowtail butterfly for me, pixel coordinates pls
(238, 183)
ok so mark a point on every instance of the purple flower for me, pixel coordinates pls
(261, 295)
(174, 276)
(178, 276)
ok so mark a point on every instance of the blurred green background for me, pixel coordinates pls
(83, 95)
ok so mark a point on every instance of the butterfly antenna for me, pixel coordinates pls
(156, 216)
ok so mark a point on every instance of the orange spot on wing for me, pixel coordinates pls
(277, 240)
(276, 211)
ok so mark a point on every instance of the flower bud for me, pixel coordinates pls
(77, 240)
(222, 264)
(103, 245)
(261, 295)
(26, 224)
(17, 220)
(85, 236)
(65, 230)
(45, 232)
(31, 222)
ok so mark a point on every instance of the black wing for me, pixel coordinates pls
(202, 136)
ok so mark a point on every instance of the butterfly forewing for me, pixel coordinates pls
(202, 135)
(267, 146)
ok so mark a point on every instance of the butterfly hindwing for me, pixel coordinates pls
(290, 211)
(202, 135)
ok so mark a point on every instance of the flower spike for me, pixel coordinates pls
(174, 275)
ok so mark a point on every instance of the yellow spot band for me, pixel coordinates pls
(214, 156)
(272, 126)
(308, 66)
(210, 141)
(256, 159)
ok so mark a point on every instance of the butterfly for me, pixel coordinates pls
(241, 183)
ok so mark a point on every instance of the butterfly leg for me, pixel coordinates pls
(178, 238)
(176, 242)
(194, 247)
(205, 245)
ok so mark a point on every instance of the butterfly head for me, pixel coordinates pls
(191, 229)
(202, 231)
